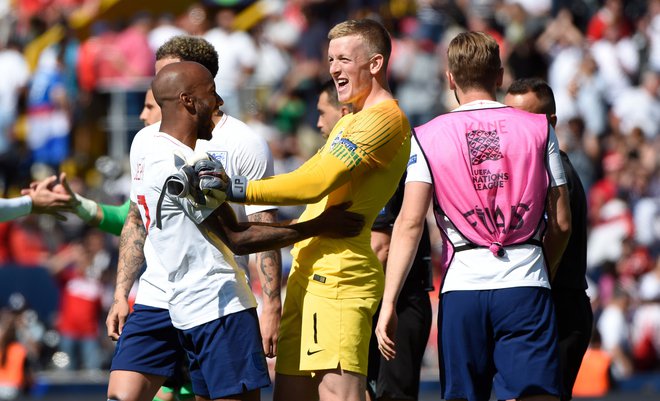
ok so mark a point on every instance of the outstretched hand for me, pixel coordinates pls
(50, 197)
(337, 222)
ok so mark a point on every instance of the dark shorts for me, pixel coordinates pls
(575, 321)
(504, 338)
(148, 343)
(226, 356)
(399, 378)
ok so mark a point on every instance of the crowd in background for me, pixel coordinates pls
(602, 59)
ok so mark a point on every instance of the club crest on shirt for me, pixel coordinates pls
(219, 155)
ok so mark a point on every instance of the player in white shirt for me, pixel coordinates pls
(210, 301)
(245, 153)
(484, 293)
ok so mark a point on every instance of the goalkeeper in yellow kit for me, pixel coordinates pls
(336, 283)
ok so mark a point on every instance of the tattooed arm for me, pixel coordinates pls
(269, 267)
(131, 259)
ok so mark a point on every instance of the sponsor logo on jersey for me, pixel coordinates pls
(412, 160)
(337, 139)
(348, 144)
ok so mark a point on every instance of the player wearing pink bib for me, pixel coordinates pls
(494, 173)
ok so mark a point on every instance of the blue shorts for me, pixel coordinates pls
(148, 343)
(226, 355)
(506, 338)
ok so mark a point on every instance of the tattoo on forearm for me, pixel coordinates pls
(269, 262)
(270, 267)
(131, 250)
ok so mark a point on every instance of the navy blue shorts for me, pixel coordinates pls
(148, 343)
(226, 355)
(506, 338)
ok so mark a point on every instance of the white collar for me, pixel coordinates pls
(479, 104)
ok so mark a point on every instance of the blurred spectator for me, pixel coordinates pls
(571, 140)
(633, 263)
(14, 371)
(238, 57)
(274, 38)
(610, 17)
(89, 67)
(639, 107)
(30, 331)
(607, 187)
(593, 379)
(48, 107)
(618, 61)
(561, 42)
(587, 91)
(164, 30)
(131, 56)
(614, 330)
(15, 73)
(605, 240)
(416, 68)
(520, 32)
(23, 242)
(535, 8)
(646, 322)
(646, 214)
(652, 34)
(78, 268)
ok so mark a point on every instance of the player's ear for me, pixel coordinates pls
(376, 63)
(500, 77)
(187, 101)
(450, 80)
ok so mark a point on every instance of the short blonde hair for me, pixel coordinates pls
(473, 59)
(375, 36)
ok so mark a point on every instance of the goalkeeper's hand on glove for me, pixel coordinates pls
(213, 180)
(203, 180)
(206, 192)
(215, 183)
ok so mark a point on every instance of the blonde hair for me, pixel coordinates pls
(473, 59)
(375, 36)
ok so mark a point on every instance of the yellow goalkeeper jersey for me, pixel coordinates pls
(362, 162)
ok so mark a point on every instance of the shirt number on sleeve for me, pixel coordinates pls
(142, 201)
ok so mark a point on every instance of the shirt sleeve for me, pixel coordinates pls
(316, 178)
(557, 174)
(114, 217)
(418, 169)
(13, 208)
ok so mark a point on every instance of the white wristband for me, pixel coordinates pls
(86, 209)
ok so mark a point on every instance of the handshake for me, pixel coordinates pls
(204, 182)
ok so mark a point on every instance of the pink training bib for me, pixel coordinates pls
(489, 173)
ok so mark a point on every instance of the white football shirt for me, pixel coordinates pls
(242, 152)
(203, 280)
